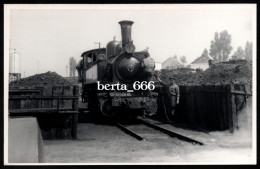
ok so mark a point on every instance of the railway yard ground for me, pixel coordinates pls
(101, 143)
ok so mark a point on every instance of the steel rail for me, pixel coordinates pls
(128, 131)
(169, 132)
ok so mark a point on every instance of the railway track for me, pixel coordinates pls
(139, 136)
(129, 131)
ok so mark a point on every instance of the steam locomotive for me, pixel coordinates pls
(116, 80)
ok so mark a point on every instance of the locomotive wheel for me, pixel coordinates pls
(106, 108)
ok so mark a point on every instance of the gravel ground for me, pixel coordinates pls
(107, 144)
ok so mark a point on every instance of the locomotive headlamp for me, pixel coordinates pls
(129, 48)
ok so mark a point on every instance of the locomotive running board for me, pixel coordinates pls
(128, 131)
(170, 133)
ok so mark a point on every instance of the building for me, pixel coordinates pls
(14, 65)
(158, 65)
(201, 62)
(171, 63)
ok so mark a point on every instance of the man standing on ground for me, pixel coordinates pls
(174, 93)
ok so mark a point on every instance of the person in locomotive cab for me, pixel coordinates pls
(174, 93)
(90, 60)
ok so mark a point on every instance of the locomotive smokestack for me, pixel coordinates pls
(126, 32)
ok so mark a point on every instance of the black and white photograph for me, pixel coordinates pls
(130, 84)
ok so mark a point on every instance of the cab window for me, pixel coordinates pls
(91, 58)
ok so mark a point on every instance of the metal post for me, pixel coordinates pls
(66, 70)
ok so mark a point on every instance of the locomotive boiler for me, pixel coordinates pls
(116, 80)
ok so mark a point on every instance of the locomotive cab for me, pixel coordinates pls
(92, 56)
(89, 59)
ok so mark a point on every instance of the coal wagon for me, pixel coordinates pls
(55, 107)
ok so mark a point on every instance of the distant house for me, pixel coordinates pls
(201, 62)
(158, 65)
(171, 63)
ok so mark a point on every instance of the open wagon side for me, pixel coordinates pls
(55, 107)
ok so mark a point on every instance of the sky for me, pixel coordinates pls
(51, 34)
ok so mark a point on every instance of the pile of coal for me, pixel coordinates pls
(231, 72)
(73, 80)
(44, 79)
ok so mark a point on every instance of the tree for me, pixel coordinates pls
(239, 54)
(220, 47)
(175, 57)
(183, 59)
(205, 52)
(249, 50)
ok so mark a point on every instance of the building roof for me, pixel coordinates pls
(167, 60)
(202, 59)
(96, 51)
(171, 62)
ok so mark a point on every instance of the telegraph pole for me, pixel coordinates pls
(66, 70)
